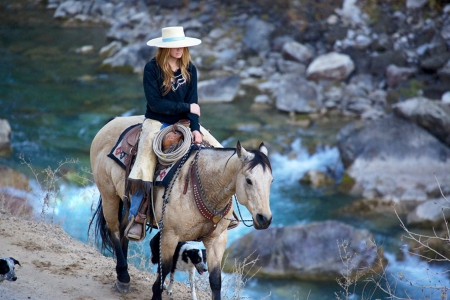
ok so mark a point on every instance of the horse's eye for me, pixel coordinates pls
(248, 181)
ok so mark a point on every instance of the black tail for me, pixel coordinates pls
(101, 229)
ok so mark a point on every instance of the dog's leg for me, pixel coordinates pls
(169, 289)
(192, 282)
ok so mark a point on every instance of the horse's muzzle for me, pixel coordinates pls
(262, 222)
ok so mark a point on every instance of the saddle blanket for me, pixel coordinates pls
(162, 177)
(116, 152)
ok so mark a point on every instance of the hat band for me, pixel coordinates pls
(173, 39)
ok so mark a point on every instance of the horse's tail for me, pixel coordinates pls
(101, 229)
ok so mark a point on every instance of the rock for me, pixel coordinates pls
(446, 98)
(222, 89)
(380, 62)
(307, 252)
(330, 66)
(68, 9)
(293, 50)
(296, 94)
(388, 158)
(317, 179)
(395, 74)
(130, 58)
(5, 138)
(111, 49)
(415, 4)
(431, 115)
(14, 192)
(256, 38)
(430, 214)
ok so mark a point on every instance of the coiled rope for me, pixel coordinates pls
(171, 157)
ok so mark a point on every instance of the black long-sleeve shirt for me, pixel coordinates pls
(175, 105)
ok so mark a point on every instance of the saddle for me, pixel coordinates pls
(130, 141)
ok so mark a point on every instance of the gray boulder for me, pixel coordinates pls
(5, 138)
(394, 161)
(222, 89)
(330, 66)
(433, 116)
(308, 251)
(296, 94)
(431, 213)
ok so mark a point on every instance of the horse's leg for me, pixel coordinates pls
(112, 215)
(168, 244)
(214, 251)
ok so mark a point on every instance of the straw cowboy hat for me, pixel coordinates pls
(173, 37)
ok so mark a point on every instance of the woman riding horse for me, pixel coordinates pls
(170, 85)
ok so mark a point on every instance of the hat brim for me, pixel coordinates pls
(186, 42)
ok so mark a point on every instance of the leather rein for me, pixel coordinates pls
(200, 198)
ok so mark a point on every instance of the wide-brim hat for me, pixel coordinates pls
(173, 37)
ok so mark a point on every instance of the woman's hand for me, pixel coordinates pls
(197, 137)
(195, 109)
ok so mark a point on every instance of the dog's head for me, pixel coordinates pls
(7, 265)
(197, 258)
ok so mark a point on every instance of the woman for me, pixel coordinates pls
(170, 86)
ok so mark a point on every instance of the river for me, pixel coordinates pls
(56, 99)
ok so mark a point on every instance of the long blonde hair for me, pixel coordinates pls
(162, 59)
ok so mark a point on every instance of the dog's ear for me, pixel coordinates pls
(4, 268)
(204, 254)
(16, 262)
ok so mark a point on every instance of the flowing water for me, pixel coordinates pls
(56, 100)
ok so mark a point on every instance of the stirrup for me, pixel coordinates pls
(130, 225)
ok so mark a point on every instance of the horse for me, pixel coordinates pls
(220, 172)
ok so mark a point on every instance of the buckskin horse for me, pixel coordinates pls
(213, 175)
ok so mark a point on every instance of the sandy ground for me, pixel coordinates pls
(56, 266)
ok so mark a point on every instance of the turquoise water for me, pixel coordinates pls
(57, 99)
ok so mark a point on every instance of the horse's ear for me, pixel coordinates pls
(263, 149)
(241, 152)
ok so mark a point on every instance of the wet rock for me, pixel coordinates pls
(389, 156)
(430, 214)
(431, 115)
(5, 138)
(330, 66)
(307, 252)
(317, 179)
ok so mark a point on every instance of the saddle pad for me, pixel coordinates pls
(116, 152)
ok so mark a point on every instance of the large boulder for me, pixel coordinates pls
(330, 66)
(433, 116)
(223, 89)
(5, 138)
(430, 214)
(307, 251)
(394, 162)
(295, 94)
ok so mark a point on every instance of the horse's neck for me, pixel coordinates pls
(218, 170)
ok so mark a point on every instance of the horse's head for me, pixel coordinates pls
(253, 184)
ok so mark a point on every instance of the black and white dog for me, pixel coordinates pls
(7, 265)
(187, 257)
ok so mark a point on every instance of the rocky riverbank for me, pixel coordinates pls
(385, 65)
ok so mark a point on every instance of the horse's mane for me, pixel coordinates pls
(258, 159)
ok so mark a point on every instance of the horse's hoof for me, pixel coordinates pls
(122, 287)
